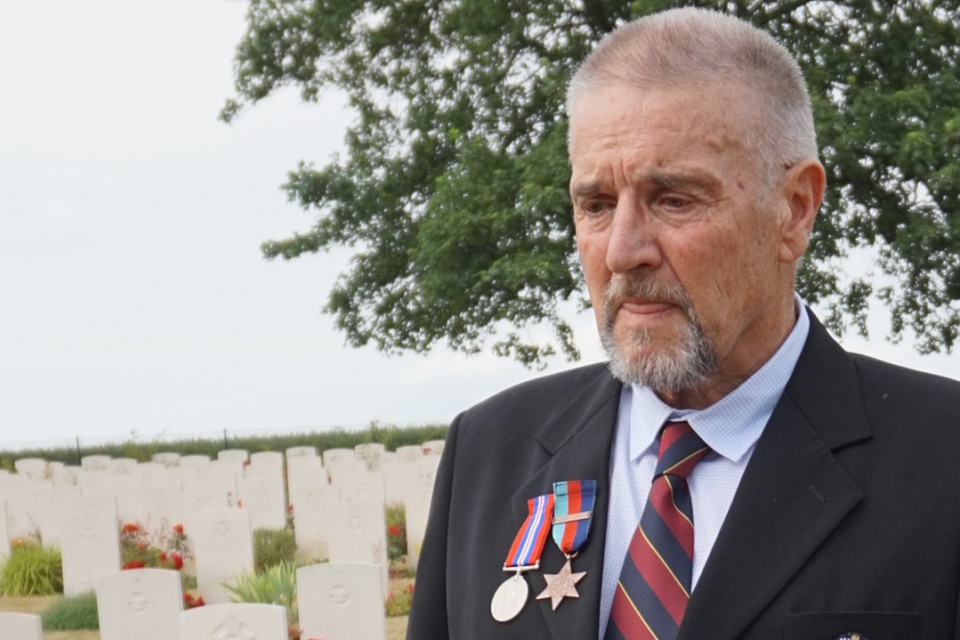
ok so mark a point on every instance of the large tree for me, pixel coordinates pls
(452, 192)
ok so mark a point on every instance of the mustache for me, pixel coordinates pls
(624, 287)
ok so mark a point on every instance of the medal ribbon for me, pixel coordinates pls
(573, 509)
(528, 545)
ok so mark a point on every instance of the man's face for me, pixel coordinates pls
(680, 250)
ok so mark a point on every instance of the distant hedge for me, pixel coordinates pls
(390, 436)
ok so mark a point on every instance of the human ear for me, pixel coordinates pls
(802, 189)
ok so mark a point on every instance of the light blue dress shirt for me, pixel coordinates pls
(731, 428)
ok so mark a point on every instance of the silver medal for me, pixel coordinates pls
(510, 598)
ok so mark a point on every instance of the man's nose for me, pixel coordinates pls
(634, 241)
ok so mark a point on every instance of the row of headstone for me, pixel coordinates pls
(336, 602)
(342, 521)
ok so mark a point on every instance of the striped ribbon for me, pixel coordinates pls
(572, 513)
(528, 545)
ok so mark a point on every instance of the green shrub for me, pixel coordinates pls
(70, 614)
(273, 547)
(277, 585)
(32, 570)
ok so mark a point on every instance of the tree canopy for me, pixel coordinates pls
(452, 192)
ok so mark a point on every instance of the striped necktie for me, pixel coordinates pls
(654, 585)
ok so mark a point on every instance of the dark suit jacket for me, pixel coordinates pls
(847, 519)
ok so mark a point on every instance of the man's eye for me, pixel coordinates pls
(597, 207)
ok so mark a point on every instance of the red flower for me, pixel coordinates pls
(178, 529)
(199, 602)
(163, 556)
(394, 530)
(130, 528)
(177, 561)
(142, 546)
(133, 564)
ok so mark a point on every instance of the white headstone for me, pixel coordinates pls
(345, 599)
(33, 468)
(311, 518)
(371, 453)
(235, 455)
(94, 463)
(262, 495)
(297, 452)
(433, 446)
(167, 458)
(197, 461)
(362, 487)
(4, 538)
(121, 466)
(305, 470)
(93, 480)
(410, 453)
(54, 502)
(333, 455)
(90, 546)
(221, 478)
(222, 541)
(139, 604)
(358, 533)
(265, 461)
(416, 502)
(20, 626)
(234, 622)
(340, 469)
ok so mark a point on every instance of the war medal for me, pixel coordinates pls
(511, 596)
(573, 508)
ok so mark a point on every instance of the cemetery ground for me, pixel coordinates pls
(157, 541)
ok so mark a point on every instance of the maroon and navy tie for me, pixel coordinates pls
(654, 585)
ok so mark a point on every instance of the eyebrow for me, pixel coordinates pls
(662, 179)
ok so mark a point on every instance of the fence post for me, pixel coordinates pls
(78, 450)
(226, 445)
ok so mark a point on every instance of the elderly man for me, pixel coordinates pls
(731, 472)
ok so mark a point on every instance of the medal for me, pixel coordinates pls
(573, 508)
(511, 596)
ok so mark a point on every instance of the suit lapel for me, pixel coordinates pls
(793, 494)
(578, 439)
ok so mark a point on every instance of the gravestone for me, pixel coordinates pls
(262, 495)
(340, 469)
(311, 519)
(90, 547)
(54, 502)
(416, 504)
(94, 463)
(304, 470)
(199, 462)
(366, 486)
(398, 476)
(409, 453)
(167, 458)
(222, 542)
(297, 452)
(333, 455)
(163, 500)
(92, 480)
(121, 466)
(139, 604)
(234, 455)
(265, 461)
(150, 470)
(20, 626)
(239, 621)
(221, 477)
(357, 532)
(372, 453)
(202, 497)
(433, 447)
(345, 602)
(4, 538)
(32, 468)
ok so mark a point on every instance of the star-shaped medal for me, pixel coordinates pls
(561, 585)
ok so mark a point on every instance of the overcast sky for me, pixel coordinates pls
(133, 296)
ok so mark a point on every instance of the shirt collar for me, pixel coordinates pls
(732, 426)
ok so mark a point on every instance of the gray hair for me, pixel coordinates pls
(699, 47)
